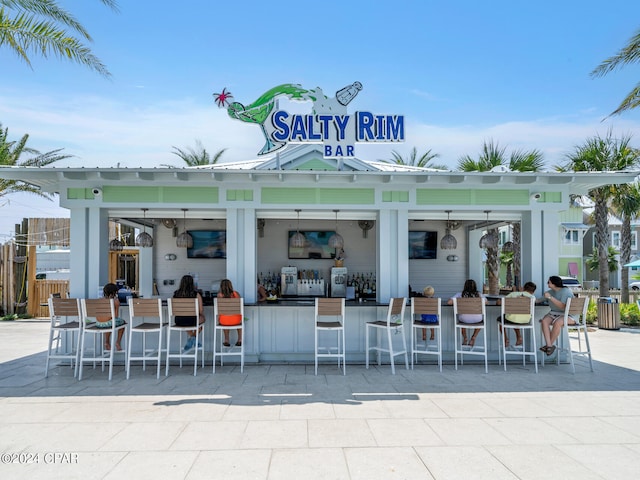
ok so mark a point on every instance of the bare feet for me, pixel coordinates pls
(118, 347)
(107, 346)
(472, 342)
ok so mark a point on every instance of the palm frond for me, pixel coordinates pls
(630, 53)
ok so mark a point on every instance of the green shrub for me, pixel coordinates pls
(629, 314)
(15, 316)
(592, 313)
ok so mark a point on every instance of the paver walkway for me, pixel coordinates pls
(282, 422)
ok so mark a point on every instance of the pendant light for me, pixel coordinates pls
(336, 241)
(116, 245)
(489, 239)
(144, 240)
(184, 240)
(297, 240)
(448, 242)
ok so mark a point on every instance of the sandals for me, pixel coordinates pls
(226, 344)
(238, 344)
(548, 350)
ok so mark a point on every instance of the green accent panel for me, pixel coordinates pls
(190, 194)
(551, 197)
(351, 196)
(441, 196)
(239, 195)
(395, 196)
(116, 194)
(131, 194)
(502, 197)
(315, 164)
(79, 193)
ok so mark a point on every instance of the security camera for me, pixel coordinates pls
(536, 196)
(96, 192)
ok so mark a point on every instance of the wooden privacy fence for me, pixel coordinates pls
(595, 294)
(42, 290)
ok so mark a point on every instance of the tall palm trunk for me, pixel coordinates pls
(517, 257)
(493, 267)
(625, 256)
(602, 240)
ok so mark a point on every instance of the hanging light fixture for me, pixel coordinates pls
(144, 239)
(489, 239)
(336, 241)
(448, 242)
(184, 240)
(116, 245)
(297, 240)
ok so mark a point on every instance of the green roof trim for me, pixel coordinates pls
(318, 196)
(239, 195)
(395, 196)
(115, 194)
(448, 196)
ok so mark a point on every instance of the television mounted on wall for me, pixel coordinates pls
(316, 245)
(423, 245)
(208, 244)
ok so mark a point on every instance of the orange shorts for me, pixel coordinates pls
(230, 319)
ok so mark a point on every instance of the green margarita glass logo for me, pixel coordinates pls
(328, 124)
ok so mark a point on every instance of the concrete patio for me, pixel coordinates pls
(282, 422)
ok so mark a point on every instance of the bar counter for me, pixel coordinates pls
(283, 331)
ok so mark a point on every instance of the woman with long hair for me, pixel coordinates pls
(187, 289)
(469, 290)
(227, 291)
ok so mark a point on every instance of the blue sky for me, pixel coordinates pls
(461, 72)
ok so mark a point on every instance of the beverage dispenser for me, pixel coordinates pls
(289, 281)
(338, 282)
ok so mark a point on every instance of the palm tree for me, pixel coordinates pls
(599, 154)
(630, 53)
(198, 156)
(626, 204)
(493, 156)
(11, 154)
(424, 161)
(593, 262)
(42, 27)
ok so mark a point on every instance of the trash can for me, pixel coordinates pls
(608, 313)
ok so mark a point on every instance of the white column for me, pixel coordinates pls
(393, 254)
(145, 269)
(242, 251)
(532, 240)
(89, 262)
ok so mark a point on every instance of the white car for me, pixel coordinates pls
(573, 283)
(634, 285)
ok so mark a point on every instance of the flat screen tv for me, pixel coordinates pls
(423, 245)
(208, 244)
(316, 245)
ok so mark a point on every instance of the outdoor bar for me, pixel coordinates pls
(243, 217)
(312, 220)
